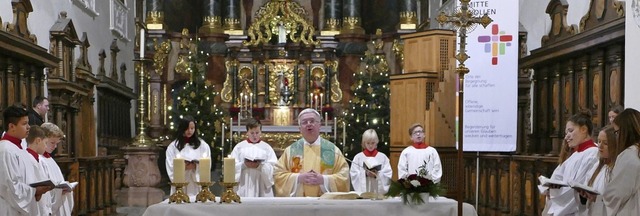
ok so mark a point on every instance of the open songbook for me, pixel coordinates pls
(350, 195)
(65, 185)
(544, 181)
(254, 153)
(579, 186)
(372, 164)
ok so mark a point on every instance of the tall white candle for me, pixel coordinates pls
(344, 134)
(230, 131)
(178, 169)
(321, 100)
(229, 170)
(315, 101)
(204, 168)
(326, 119)
(142, 38)
(222, 141)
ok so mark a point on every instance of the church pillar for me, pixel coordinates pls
(155, 14)
(332, 17)
(232, 18)
(351, 17)
(211, 18)
(141, 176)
(351, 48)
(213, 42)
(408, 15)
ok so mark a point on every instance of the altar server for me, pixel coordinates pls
(417, 154)
(255, 160)
(189, 146)
(599, 175)
(61, 199)
(562, 200)
(16, 196)
(370, 169)
(621, 196)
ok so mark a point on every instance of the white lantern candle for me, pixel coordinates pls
(204, 168)
(178, 169)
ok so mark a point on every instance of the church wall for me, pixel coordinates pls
(45, 13)
(632, 44)
(537, 22)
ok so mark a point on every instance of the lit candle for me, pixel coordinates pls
(204, 168)
(178, 169)
(315, 101)
(229, 170)
(241, 105)
(326, 119)
(142, 38)
(321, 100)
(311, 99)
(230, 131)
(251, 103)
(222, 143)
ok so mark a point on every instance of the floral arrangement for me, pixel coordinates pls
(411, 187)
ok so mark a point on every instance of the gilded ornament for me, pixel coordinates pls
(369, 90)
(288, 14)
(192, 94)
(160, 57)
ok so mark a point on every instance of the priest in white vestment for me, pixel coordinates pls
(189, 146)
(255, 160)
(575, 169)
(312, 165)
(419, 154)
(16, 196)
(61, 200)
(374, 179)
(621, 196)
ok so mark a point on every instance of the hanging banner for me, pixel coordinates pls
(491, 88)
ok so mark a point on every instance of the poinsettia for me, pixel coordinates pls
(411, 186)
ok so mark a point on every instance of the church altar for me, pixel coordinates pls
(277, 206)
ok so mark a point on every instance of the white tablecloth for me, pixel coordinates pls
(283, 206)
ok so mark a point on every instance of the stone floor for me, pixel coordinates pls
(138, 211)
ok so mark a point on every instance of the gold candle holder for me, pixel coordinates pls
(179, 196)
(205, 194)
(229, 196)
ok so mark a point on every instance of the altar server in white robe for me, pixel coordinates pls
(16, 196)
(61, 200)
(255, 160)
(598, 176)
(189, 146)
(419, 153)
(35, 147)
(365, 179)
(575, 168)
(621, 196)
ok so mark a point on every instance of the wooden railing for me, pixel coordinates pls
(96, 176)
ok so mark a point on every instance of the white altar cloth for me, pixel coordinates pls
(311, 206)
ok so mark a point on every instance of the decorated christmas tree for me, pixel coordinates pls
(196, 98)
(369, 106)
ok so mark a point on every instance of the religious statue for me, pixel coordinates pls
(285, 93)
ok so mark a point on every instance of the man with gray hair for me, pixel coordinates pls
(312, 165)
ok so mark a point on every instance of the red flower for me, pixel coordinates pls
(412, 177)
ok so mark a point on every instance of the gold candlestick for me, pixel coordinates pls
(229, 196)
(205, 194)
(179, 196)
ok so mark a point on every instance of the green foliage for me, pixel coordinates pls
(195, 97)
(411, 187)
(369, 106)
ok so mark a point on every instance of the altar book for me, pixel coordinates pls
(349, 195)
(547, 182)
(372, 164)
(65, 185)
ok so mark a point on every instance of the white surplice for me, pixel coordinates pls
(36, 174)
(575, 168)
(16, 196)
(359, 178)
(412, 158)
(621, 195)
(254, 182)
(61, 204)
(594, 208)
(188, 153)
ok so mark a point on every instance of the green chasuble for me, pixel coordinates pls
(325, 159)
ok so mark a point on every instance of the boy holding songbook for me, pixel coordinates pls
(254, 163)
(370, 169)
(17, 197)
(61, 198)
(35, 148)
